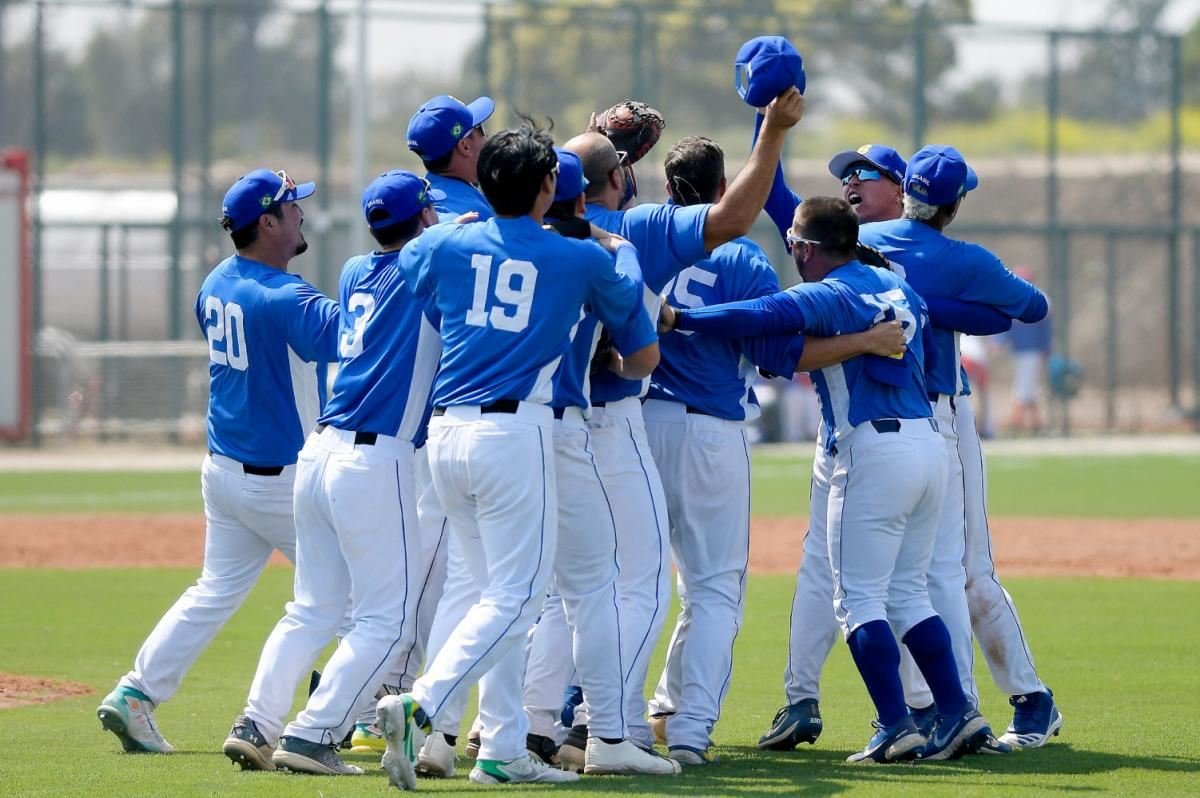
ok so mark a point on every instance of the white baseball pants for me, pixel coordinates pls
(246, 518)
(634, 489)
(885, 498)
(813, 626)
(549, 670)
(357, 540)
(495, 475)
(704, 463)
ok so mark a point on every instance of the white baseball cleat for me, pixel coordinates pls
(129, 714)
(527, 769)
(397, 720)
(436, 759)
(625, 759)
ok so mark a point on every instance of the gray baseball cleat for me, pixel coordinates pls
(305, 756)
(248, 747)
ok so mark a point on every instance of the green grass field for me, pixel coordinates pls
(1121, 655)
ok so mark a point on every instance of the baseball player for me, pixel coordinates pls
(357, 538)
(670, 238)
(935, 183)
(585, 568)
(871, 178)
(447, 135)
(509, 293)
(880, 434)
(267, 330)
(695, 411)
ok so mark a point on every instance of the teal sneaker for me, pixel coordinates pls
(129, 714)
(404, 726)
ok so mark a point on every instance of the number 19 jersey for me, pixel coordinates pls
(509, 292)
(266, 329)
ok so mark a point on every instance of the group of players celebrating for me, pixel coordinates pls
(540, 407)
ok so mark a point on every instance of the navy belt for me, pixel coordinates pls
(934, 396)
(360, 438)
(259, 471)
(558, 412)
(498, 406)
(886, 424)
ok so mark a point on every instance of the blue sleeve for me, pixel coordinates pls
(415, 259)
(636, 333)
(313, 325)
(782, 201)
(628, 263)
(966, 317)
(685, 233)
(777, 354)
(986, 280)
(810, 308)
(614, 297)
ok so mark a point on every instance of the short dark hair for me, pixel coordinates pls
(397, 233)
(249, 234)
(695, 166)
(440, 164)
(512, 165)
(831, 221)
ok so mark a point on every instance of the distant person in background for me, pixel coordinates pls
(976, 361)
(1031, 346)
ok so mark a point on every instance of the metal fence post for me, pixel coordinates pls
(324, 144)
(175, 282)
(920, 68)
(208, 232)
(1196, 330)
(40, 143)
(1110, 331)
(1174, 331)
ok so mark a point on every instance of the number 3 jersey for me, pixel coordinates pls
(267, 330)
(388, 352)
(509, 292)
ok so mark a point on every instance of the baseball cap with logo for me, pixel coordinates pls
(885, 159)
(395, 196)
(571, 181)
(765, 67)
(443, 121)
(253, 195)
(938, 175)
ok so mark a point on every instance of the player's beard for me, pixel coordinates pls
(302, 247)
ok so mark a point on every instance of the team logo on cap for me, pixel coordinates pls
(457, 130)
(374, 202)
(266, 201)
(864, 149)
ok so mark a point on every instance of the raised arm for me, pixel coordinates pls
(734, 215)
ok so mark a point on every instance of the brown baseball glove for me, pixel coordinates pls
(632, 126)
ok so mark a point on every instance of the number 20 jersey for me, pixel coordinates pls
(266, 330)
(509, 293)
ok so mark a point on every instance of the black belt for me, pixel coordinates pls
(360, 438)
(697, 411)
(893, 424)
(599, 404)
(259, 471)
(558, 412)
(498, 406)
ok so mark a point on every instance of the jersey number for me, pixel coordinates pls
(352, 339)
(226, 324)
(513, 293)
(679, 289)
(893, 306)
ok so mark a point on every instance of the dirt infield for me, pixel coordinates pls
(19, 691)
(1162, 549)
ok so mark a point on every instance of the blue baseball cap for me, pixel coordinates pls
(571, 181)
(885, 159)
(253, 195)
(443, 121)
(765, 67)
(400, 195)
(938, 175)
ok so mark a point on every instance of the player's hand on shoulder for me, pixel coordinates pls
(785, 110)
(886, 339)
(610, 241)
(667, 318)
(467, 218)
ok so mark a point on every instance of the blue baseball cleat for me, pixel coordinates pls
(793, 724)
(1035, 720)
(955, 735)
(924, 718)
(896, 743)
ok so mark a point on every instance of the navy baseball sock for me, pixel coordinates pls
(877, 656)
(929, 643)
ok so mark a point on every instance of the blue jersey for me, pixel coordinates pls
(669, 238)
(714, 375)
(388, 353)
(266, 330)
(938, 266)
(572, 382)
(851, 298)
(461, 197)
(509, 292)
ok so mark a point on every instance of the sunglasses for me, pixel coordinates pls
(794, 239)
(288, 185)
(863, 174)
